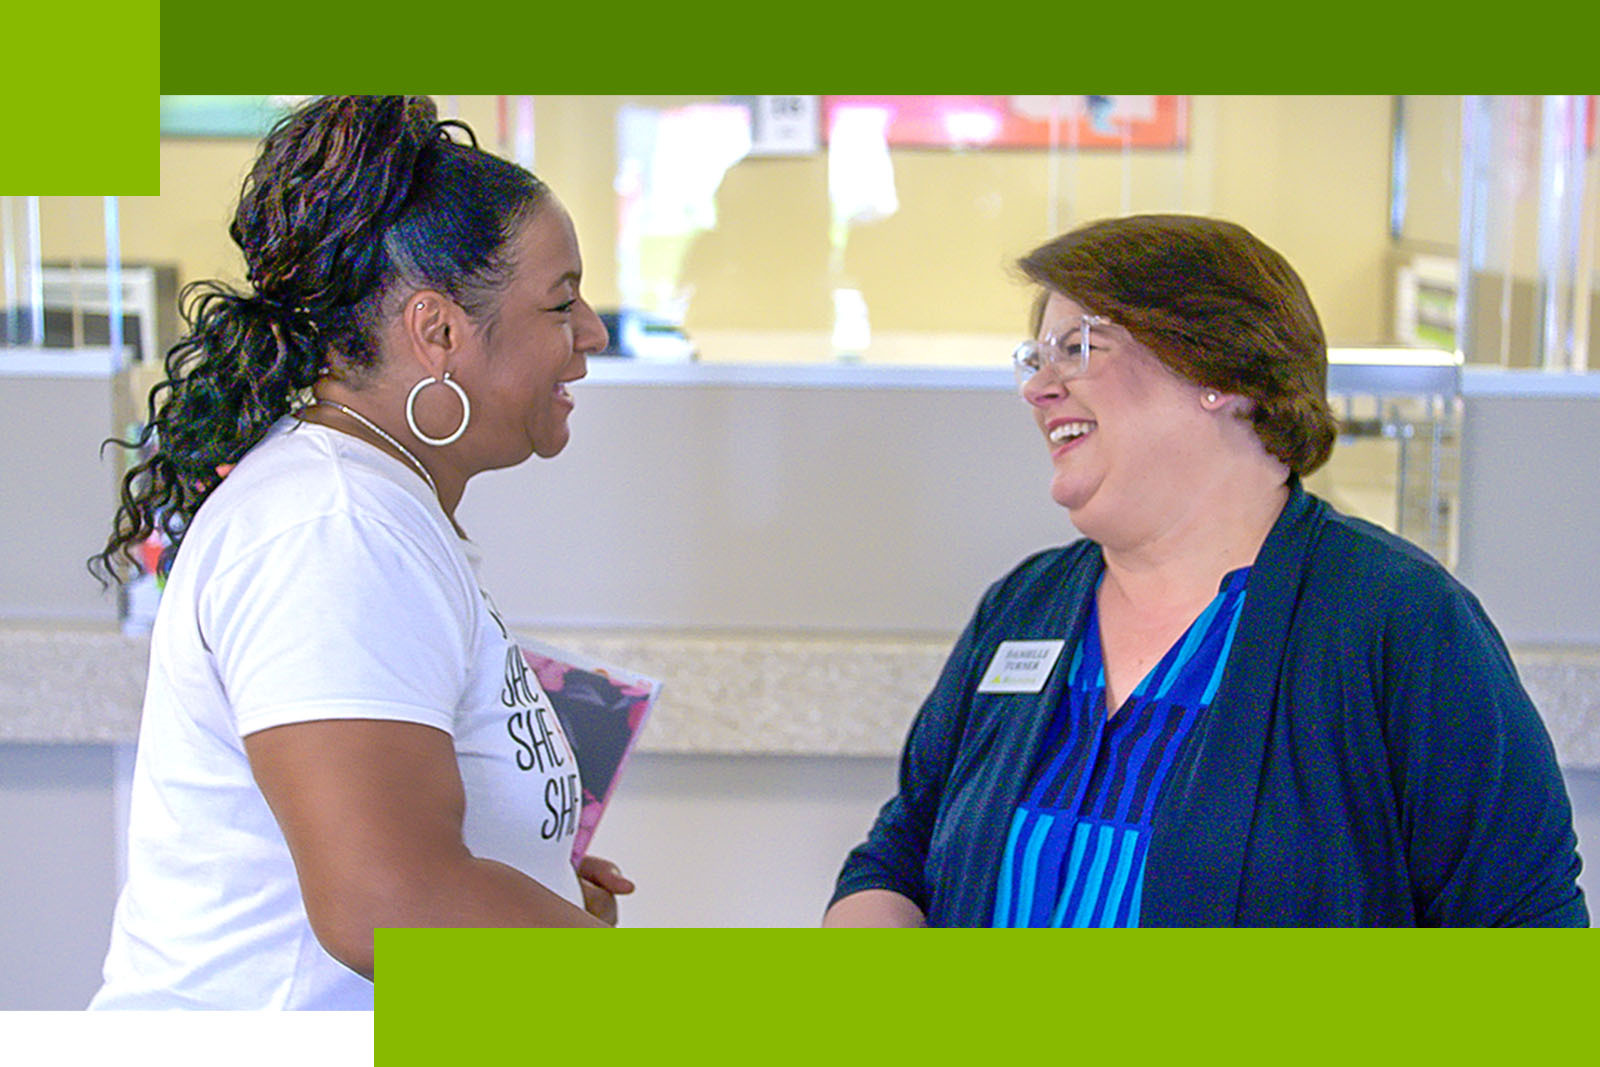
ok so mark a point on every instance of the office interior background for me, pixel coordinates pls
(804, 460)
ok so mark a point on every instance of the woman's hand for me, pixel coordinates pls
(602, 883)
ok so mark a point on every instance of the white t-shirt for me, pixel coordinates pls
(321, 580)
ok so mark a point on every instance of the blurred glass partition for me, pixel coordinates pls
(882, 230)
(1527, 235)
(1398, 458)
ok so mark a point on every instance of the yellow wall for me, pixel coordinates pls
(1308, 174)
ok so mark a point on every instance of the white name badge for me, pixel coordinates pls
(1020, 666)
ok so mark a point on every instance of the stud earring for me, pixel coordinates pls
(1211, 398)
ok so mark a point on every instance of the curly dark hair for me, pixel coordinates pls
(1215, 304)
(350, 200)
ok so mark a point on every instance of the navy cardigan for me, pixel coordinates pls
(1370, 758)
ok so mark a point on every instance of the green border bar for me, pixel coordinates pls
(81, 84)
(983, 997)
(845, 46)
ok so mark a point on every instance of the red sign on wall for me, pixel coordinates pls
(1011, 121)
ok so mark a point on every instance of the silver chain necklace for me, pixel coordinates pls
(375, 428)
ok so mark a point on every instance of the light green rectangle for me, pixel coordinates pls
(82, 89)
(981, 996)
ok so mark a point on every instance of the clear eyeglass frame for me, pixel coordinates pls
(1067, 360)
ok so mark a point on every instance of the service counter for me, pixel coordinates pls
(793, 549)
(722, 694)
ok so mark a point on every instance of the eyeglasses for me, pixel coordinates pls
(1068, 358)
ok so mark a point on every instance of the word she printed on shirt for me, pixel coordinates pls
(540, 747)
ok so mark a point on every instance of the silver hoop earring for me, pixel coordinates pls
(411, 411)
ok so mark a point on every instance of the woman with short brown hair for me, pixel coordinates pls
(1228, 704)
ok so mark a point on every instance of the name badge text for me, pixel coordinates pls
(1020, 666)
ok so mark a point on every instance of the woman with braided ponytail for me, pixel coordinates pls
(338, 731)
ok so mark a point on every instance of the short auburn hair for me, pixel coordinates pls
(1216, 305)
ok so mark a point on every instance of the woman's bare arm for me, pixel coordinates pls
(874, 907)
(372, 812)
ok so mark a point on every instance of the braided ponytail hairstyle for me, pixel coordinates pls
(350, 200)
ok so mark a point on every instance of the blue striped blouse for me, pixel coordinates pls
(1075, 854)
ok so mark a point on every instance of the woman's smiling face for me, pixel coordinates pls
(1123, 434)
(538, 339)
